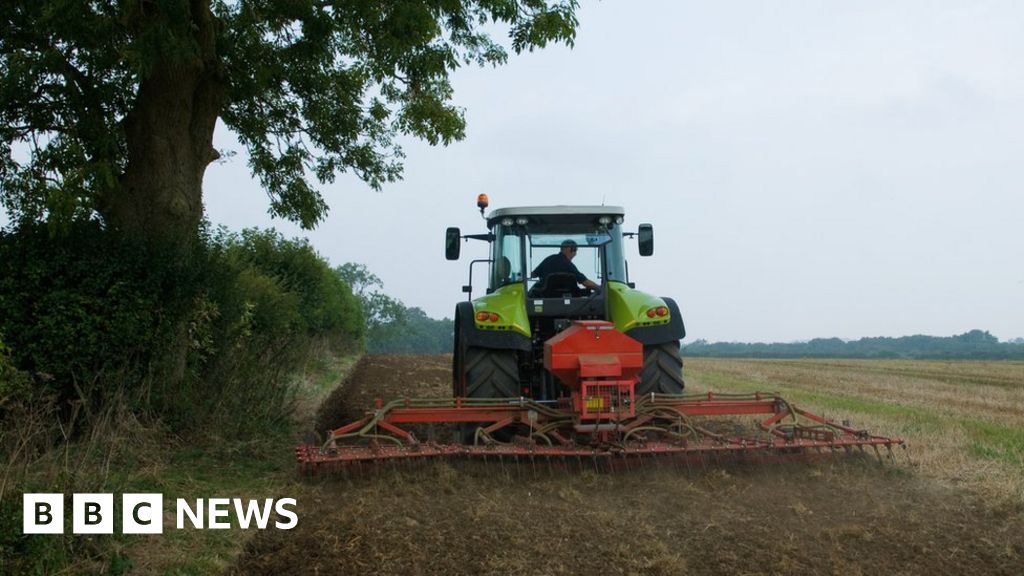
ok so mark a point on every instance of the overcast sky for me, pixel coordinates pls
(811, 168)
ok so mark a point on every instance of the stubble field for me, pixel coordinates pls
(952, 505)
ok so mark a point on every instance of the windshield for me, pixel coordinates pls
(587, 258)
(517, 251)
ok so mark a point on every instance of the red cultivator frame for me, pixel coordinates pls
(601, 419)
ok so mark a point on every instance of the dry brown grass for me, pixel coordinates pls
(962, 420)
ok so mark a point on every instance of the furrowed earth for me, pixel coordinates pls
(848, 516)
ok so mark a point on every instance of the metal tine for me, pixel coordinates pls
(742, 457)
(661, 462)
(679, 466)
(717, 458)
(760, 456)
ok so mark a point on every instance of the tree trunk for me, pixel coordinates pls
(169, 140)
(169, 137)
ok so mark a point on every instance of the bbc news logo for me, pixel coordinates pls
(144, 513)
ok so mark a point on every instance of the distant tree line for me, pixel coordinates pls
(973, 345)
(391, 327)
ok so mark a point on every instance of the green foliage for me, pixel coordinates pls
(325, 302)
(415, 333)
(265, 302)
(379, 309)
(215, 338)
(973, 345)
(15, 385)
(21, 553)
(391, 328)
(64, 85)
(312, 89)
(82, 304)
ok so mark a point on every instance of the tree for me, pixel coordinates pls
(108, 107)
(414, 333)
(379, 309)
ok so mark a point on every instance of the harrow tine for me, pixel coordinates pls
(351, 453)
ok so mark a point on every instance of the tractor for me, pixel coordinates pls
(498, 349)
(563, 360)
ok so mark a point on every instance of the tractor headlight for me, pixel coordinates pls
(522, 220)
(604, 220)
(506, 221)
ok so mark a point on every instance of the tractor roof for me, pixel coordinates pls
(556, 211)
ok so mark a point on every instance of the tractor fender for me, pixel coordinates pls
(497, 340)
(674, 330)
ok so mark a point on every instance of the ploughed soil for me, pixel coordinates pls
(845, 516)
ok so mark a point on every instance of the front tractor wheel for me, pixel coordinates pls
(663, 370)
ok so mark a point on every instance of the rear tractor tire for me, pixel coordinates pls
(489, 374)
(663, 370)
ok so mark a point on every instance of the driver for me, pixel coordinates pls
(561, 263)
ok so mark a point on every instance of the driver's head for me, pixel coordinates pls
(569, 248)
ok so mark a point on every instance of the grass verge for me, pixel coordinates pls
(131, 457)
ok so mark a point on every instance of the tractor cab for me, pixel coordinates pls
(560, 256)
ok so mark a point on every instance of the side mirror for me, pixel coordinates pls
(646, 239)
(452, 243)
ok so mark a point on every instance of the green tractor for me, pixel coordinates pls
(533, 294)
(563, 359)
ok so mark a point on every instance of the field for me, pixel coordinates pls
(953, 504)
